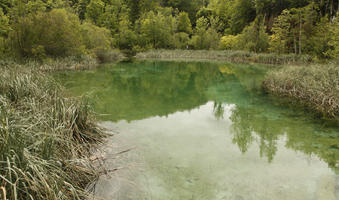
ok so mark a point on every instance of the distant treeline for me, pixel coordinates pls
(57, 28)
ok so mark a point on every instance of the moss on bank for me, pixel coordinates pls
(45, 138)
(230, 56)
(316, 86)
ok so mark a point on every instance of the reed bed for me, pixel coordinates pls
(316, 86)
(230, 56)
(45, 138)
(49, 64)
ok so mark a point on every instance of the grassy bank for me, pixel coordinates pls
(315, 86)
(45, 138)
(230, 56)
(49, 64)
(66, 63)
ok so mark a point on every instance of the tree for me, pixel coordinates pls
(254, 38)
(134, 10)
(126, 38)
(229, 42)
(189, 6)
(4, 30)
(293, 30)
(333, 51)
(54, 33)
(184, 23)
(205, 37)
(243, 12)
(157, 30)
(97, 40)
(5, 5)
(94, 11)
(181, 40)
(4, 24)
(114, 13)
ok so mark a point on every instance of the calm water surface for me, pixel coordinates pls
(205, 131)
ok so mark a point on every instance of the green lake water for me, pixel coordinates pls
(205, 131)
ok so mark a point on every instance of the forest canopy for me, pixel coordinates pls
(58, 28)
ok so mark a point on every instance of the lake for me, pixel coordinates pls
(205, 131)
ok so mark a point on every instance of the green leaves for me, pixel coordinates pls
(184, 23)
(4, 25)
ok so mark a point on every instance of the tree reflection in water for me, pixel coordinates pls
(135, 91)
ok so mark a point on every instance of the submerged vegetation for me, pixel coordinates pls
(314, 86)
(45, 139)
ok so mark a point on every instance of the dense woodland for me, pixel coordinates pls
(56, 28)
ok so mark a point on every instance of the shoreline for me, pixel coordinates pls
(22, 84)
(229, 56)
(314, 87)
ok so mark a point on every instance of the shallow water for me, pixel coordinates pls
(206, 131)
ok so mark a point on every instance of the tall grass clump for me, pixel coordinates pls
(316, 86)
(45, 139)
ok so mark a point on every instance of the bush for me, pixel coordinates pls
(181, 40)
(97, 40)
(229, 42)
(254, 38)
(55, 33)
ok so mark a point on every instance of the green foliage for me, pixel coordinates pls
(292, 31)
(94, 11)
(54, 33)
(181, 40)
(229, 42)
(4, 24)
(184, 23)
(115, 12)
(243, 12)
(4, 30)
(126, 38)
(205, 37)
(333, 51)
(96, 40)
(283, 27)
(254, 38)
(157, 30)
(189, 6)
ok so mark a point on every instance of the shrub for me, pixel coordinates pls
(97, 40)
(254, 38)
(55, 33)
(229, 42)
(181, 40)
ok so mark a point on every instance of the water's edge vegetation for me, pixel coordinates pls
(298, 77)
(316, 87)
(226, 55)
(45, 138)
